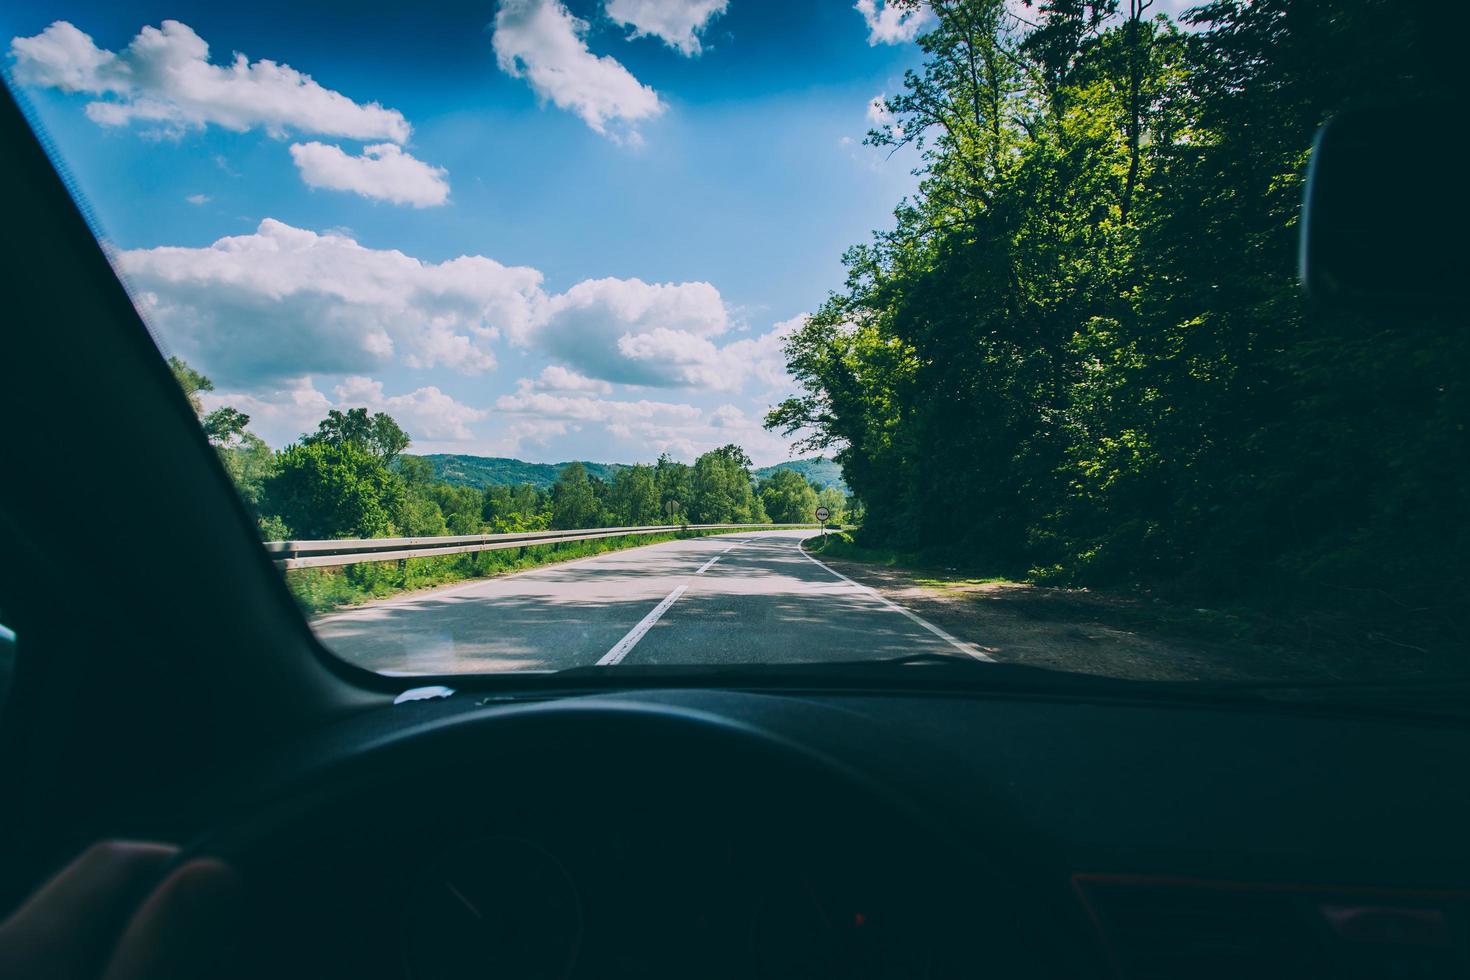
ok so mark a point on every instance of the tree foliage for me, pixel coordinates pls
(788, 498)
(327, 490)
(351, 478)
(378, 435)
(1081, 352)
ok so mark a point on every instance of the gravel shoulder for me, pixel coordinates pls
(1090, 632)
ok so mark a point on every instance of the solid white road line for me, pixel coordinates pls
(960, 645)
(621, 648)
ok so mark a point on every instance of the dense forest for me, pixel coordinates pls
(1081, 354)
(352, 479)
(485, 471)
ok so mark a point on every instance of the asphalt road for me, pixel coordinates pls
(730, 599)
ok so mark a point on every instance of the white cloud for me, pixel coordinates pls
(383, 171)
(695, 362)
(891, 23)
(678, 22)
(164, 76)
(280, 414)
(584, 408)
(881, 116)
(285, 301)
(197, 199)
(540, 41)
(652, 427)
(558, 379)
(264, 313)
(590, 326)
(425, 414)
(878, 111)
(252, 310)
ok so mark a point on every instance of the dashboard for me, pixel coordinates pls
(726, 834)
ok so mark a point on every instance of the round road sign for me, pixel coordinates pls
(822, 514)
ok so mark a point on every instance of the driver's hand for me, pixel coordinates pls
(106, 915)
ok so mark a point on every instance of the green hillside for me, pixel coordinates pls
(498, 471)
(493, 471)
(819, 470)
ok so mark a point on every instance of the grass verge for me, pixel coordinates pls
(320, 590)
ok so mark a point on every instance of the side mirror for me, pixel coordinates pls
(1384, 221)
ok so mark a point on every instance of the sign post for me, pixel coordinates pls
(822, 515)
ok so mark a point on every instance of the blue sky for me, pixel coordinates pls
(550, 229)
(647, 194)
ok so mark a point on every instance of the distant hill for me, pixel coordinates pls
(493, 471)
(818, 470)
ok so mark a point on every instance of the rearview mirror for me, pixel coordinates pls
(1384, 218)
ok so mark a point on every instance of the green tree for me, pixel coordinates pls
(378, 434)
(415, 470)
(225, 426)
(250, 463)
(246, 457)
(573, 501)
(675, 484)
(1081, 353)
(191, 381)
(323, 490)
(519, 508)
(721, 490)
(836, 504)
(635, 497)
(788, 498)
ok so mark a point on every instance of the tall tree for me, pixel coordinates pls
(322, 490)
(573, 502)
(635, 498)
(1080, 352)
(191, 381)
(378, 434)
(788, 498)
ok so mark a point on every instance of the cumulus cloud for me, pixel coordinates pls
(652, 426)
(890, 23)
(542, 42)
(695, 362)
(426, 413)
(558, 379)
(383, 171)
(584, 408)
(281, 413)
(881, 116)
(164, 77)
(598, 325)
(677, 22)
(197, 199)
(878, 112)
(285, 301)
(278, 413)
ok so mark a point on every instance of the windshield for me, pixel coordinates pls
(544, 334)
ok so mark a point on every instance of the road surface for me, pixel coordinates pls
(729, 599)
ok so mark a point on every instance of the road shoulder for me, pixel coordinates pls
(1079, 629)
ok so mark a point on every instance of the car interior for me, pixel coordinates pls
(927, 821)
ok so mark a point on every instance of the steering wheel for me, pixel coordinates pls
(588, 836)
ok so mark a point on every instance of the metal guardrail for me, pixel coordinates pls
(351, 551)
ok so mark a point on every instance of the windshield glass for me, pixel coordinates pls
(543, 334)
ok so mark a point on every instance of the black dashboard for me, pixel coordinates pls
(719, 833)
